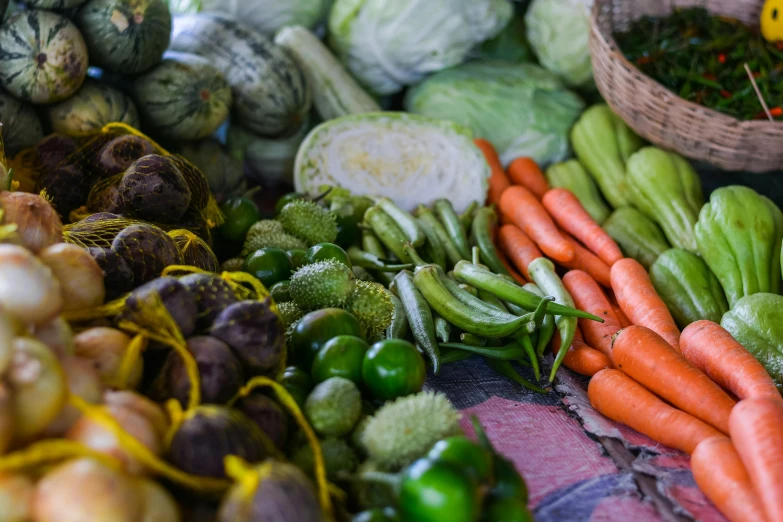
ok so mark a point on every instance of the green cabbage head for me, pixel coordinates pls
(388, 44)
(559, 33)
(522, 109)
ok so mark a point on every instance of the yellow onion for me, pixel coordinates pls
(159, 505)
(106, 347)
(37, 385)
(16, 498)
(84, 490)
(38, 224)
(57, 335)
(141, 405)
(28, 289)
(83, 381)
(95, 436)
(81, 279)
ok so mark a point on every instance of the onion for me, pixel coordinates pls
(80, 276)
(141, 405)
(84, 490)
(38, 387)
(28, 289)
(7, 334)
(98, 438)
(106, 347)
(83, 381)
(38, 224)
(6, 420)
(57, 335)
(159, 505)
(16, 498)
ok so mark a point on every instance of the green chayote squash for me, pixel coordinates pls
(572, 176)
(637, 236)
(667, 190)
(756, 321)
(739, 234)
(688, 287)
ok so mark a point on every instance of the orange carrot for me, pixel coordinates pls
(756, 427)
(519, 278)
(519, 248)
(640, 302)
(569, 213)
(526, 173)
(624, 322)
(588, 262)
(526, 212)
(715, 352)
(498, 181)
(617, 396)
(580, 357)
(719, 473)
(647, 358)
(589, 297)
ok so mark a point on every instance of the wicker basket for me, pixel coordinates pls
(662, 117)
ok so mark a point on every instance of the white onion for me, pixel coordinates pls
(7, 334)
(28, 289)
(106, 347)
(84, 382)
(141, 405)
(81, 279)
(16, 498)
(38, 224)
(57, 335)
(6, 419)
(159, 505)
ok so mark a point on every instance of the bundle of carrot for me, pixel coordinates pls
(678, 388)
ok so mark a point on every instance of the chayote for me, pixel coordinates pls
(739, 234)
(638, 236)
(572, 176)
(756, 322)
(688, 287)
(667, 190)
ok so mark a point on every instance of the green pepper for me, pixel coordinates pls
(466, 454)
(481, 233)
(451, 222)
(688, 287)
(434, 228)
(637, 236)
(281, 291)
(419, 315)
(316, 328)
(437, 491)
(393, 368)
(508, 482)
(376, 515)
(269, 265)
(667, 190)
(239, 214)
(341, 356)
(324, 251)
(297, 258)
(739, 233)
(572, 176)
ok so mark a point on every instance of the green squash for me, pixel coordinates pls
(54, 5)
(92, 107)
(21, 126)
(44, 57)
(183, 98)
(125, 36)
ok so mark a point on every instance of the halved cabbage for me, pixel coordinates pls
(409, 158)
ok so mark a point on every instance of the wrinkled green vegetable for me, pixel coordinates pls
(739, 235)
(572, 176)
(638, 236)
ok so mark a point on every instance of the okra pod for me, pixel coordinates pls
(428, 219)
(398, 328)
(419, 315)
(442, 328)
(467, 217)
(365, 259)
(387, 231)
(492, 300)
(434, 245)
(472, 340)
(505, 369)
(450, 220)
(373, 245)
(512, 293)
(547, 330)
(527, 345)
(509, 352)
(481, 231)
(407, 223)
(452, 356)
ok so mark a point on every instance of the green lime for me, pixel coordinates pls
(281, 291)
(297, 258)
(341, 356)
(393, 368)
(239, 215)
(324, 251)
(269, 265)
(376, 515)
(437, 491)
(295, 376)
(316, 328)
(466, 454)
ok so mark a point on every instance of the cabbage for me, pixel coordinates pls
(522, 109)
(510, 45)
(559, 33)
(411, 159)
(388, 44)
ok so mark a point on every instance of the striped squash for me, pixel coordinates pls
(53, 4)
(21, 126)
(183, 98)
(125, 36)
(92, 107)
(43, 58)
(271, 94)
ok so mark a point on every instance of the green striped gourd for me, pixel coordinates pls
(21, 126)
(91, 108)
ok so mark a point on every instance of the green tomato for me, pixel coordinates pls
(324, 251)
(508, 482)
(281, 291)
(376, 515)
(436, 491)
(341, 356)
(294, 376)
(505, 509)
(393, 368)
(316, 328)
(466, 454)
(269, 265)
(286, 199)
(240, 214)
(297, 258)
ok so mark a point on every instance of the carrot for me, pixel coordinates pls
(580, 357)
(719, 473)
(498, 181)
(589, 297)
(569, 213)
(715, 352)
(519, 248)
(588, 262)
(526, 212)
(756, 427)
(526, 173)
(624, 322)
(640, 302)
(617, 396)
(519, 278)
(646, 357)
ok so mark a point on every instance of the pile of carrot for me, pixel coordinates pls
(679, 388)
